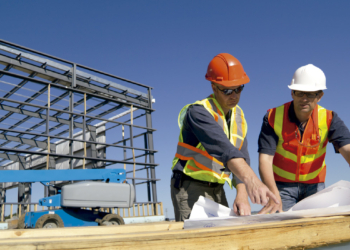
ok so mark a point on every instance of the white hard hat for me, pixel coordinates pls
(308, 78)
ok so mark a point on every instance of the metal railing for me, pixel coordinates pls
(137, 210)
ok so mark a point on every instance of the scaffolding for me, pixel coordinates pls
(56, 114)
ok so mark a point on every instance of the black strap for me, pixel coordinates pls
(177, 175)
(180, 177)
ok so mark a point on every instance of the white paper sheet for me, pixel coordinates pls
(335, 195)
(334, 200)
(206, 208)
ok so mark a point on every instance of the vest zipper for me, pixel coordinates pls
(299, 151)
(298, 163)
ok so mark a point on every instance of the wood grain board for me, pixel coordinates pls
(292, 234)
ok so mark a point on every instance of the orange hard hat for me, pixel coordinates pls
(226, 70)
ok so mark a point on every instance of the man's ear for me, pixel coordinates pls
(213, 87)
(320, 96)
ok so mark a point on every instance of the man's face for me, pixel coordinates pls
(226, 101)
(305, 101)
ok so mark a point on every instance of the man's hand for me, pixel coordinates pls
(345, 152)
(271, 207)
(258, 192)
(241, 204)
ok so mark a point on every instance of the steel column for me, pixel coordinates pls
(147, 170)
(71, 118)
(2, 199)
(150, 146)
(24, 191)
(93, 138)
(132, 146)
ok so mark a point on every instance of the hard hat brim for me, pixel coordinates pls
(233, 83)
(300, 87)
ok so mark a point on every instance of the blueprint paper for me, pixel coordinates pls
(335, 195)
(206, 208)
(334, 200)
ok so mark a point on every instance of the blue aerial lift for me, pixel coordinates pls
(98, 188)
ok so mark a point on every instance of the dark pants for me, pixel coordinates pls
(188, 193)
(291, 193)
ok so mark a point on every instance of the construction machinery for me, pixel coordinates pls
(98, 188)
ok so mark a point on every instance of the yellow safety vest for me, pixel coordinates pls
(200, 165)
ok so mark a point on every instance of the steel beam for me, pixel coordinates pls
(55, 115)
(7, 68)
(24, 196)
(9, 94)
(19, 86)
(40, 92)
(74, 156)
(16, 158)
(93, 146)
(65, 138)
(2, 199)
(24, 189)
(66, 88)
(71, 118)
(65, 61)
(66, 80)
(147, 170)
(35, 143)
(38, 115)
(150, 146)
(82, 74)
(57, 99)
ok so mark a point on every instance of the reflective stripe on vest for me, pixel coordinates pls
(238, 128)
(200, 165)
(295, 160)
(202, 159)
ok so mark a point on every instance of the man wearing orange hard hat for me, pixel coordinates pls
(213, 143)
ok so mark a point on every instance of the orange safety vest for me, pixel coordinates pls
(200, 165)
(300, 159)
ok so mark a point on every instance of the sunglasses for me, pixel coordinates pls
(230, 91)
(308, 94)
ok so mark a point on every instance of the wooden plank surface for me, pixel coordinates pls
(89, 231)
(296, 234)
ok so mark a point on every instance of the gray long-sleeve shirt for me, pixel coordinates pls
(199, 126)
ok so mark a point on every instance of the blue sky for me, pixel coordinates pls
(168, 45)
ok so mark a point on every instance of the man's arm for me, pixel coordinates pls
(339, 135)
(241, 204)
(201, 123)
(214, 140)
(257, 191)
(345, 152)
(267, 143)
(266, 175)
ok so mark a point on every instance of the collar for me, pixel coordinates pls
(292, 116)
(228, 116)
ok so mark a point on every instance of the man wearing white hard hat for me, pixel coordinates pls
(293, 141)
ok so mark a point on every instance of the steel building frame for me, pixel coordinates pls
(57, 114)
